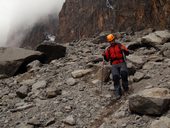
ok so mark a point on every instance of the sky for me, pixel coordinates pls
(14, 14)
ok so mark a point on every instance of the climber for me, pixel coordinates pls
(116, 54)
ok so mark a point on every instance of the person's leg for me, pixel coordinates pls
(124, 76)
(116, 80)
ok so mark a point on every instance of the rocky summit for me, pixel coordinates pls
(76, 91)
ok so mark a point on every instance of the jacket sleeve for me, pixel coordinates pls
(106, 55)
(125, 50)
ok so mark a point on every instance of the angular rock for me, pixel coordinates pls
(35, 122)
(153, 101)
(163, 122)
(138, 76)
(165, 35)
(70, 120)
(103, 73)
(23, 91)
(50, 122)
(80, 73)
(166, 50)
(148, 66)
(131, 68)
(152, 39)
(52, 92)
(52, 50)
(136, 60)
(14, 60)
(34, 64)
(71, 81)
(156, 38)
(39, 85)
(25, 126)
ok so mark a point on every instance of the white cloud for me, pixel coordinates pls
(14, 14)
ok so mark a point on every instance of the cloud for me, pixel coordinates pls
(14, 14)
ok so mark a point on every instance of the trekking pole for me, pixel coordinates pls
(102, 76)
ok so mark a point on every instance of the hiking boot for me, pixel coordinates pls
(126, 89)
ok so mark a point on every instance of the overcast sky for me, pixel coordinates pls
(16, 13)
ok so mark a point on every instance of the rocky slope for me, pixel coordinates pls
(68, 92)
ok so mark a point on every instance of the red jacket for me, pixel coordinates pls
(114, 53)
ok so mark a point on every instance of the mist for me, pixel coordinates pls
(20, 15)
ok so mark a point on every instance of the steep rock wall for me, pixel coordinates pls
(84, 18)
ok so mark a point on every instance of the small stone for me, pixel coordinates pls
(34, 121)
(108, 96)
(39, 85)
(52, 92)
(112, 88)
(71, 82)
(96, 81)
(82, 88)
(25, 126)
(124, 125)
(138, 76)
(80, 73)
(70, 120)
(22, 92)
(68, 108)
(50, 122)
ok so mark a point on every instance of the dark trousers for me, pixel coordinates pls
(120, 71)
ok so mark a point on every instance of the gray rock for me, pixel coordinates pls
(70, 120)
(80, 73)
(34, 64)
(138, 76)
(166, 50)
(165, 35)
(153, 101)
(35, 122)
(52, 92)
(13, 60)
(25, 126)
(103, 73)
(148, 66)
(71, 81)
(50, 122)
(163, 122)
(23, 91)
(39, 85)
(137, 60)
(152, 39)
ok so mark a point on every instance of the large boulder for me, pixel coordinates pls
(14, 60)
(138, 61)
(103, 73)
(51, 50)
(157, 38)
(153, 101)
(166, 50)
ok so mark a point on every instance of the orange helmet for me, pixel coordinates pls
(110, 37)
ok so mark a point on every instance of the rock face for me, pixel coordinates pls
(40, 32)
(153, 101)
(86, 18)
(12, 59)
